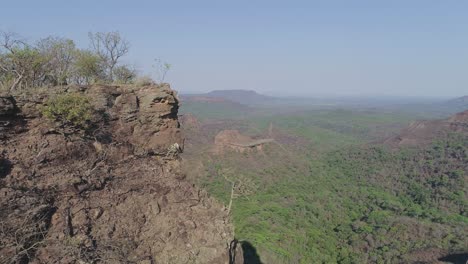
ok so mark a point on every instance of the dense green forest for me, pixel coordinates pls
(342, 197)
(356, 205)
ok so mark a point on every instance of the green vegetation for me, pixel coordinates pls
(355, 205)
(337, 127)
(214, 110)
(69, 109)
(87, 68)
(331, 198)
(326, 129)
(56, 61)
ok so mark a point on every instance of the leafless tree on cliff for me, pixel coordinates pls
(241, 186)
(110, 47)
(161, 68)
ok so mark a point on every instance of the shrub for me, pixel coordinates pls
(124, 74)
(143, 81)
(69, 109)
(88, 68)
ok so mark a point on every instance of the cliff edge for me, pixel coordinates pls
(112, 194)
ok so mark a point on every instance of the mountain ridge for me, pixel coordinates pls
(421, 133)
(245, 97)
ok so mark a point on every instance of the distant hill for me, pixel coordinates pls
(246, 97)
(421, 133)
(211, 107)
(435, 109)
(460, 102)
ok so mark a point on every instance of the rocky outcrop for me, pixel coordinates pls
(145, 118)
(7, 106)
(232, 139)
(8, 109)
(114, 194)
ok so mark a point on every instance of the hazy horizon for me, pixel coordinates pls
(331, 96)
(324, 48)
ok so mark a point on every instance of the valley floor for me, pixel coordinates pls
(330, 190)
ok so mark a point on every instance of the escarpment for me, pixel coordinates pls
(112, 193)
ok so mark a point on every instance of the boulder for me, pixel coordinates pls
(7, 106)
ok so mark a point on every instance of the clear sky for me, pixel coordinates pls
(387, 47)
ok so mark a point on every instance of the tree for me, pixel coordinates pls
(56, 61)
(241, 185)
(13, 60)
(31, 63)
(87, 67)
(110, 47)
(5, 73)
(11, 41)
(161, 69)
(60, 54)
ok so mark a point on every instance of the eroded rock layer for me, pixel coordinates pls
(114, 194)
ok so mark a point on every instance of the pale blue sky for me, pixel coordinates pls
(314, 48)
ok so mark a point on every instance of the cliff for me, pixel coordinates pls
(112, 194)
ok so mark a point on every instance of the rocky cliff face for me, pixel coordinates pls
(112, 195)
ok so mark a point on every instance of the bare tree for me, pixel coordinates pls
(110, 47)
(10, 41)
(161, 69)
(241, 186)
(21, 237)
(10, 63)
(87, 68)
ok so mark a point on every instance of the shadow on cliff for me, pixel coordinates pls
(460, 258)
(5, 167)
(250, 253)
